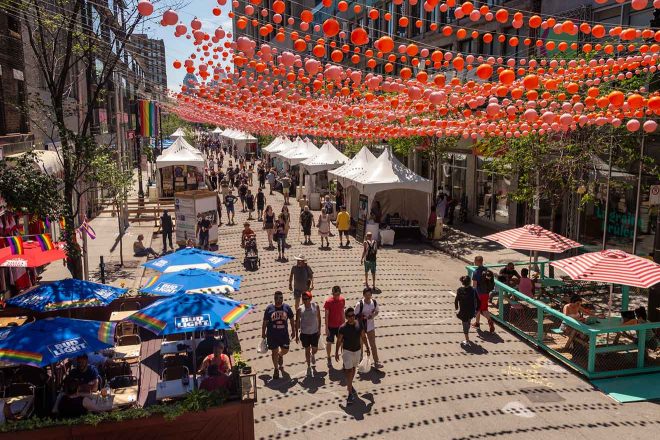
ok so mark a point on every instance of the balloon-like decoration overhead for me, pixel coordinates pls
(367, 84)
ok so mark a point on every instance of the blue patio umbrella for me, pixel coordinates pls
(192, 280)
(190, 312)
(50, 340)
(67, 294)
(188, 258)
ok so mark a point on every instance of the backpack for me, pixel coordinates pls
(486, 283)
(371, 251)
(363, 322)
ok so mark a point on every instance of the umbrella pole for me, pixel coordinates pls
(194, 361)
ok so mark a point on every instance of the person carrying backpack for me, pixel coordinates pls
(466, 305)
(365, 311)
(369, 259)
(483, 281)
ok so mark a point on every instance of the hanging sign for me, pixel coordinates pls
(654, 196)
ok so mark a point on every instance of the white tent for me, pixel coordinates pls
(217, 130)
(328, 158)
(180, 143)
(275, 143)
(181, 153)
(357, 165)
(304, 150)
(177, 134)
(285, 145)
(244, 142)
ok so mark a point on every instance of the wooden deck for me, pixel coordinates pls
(149, 368)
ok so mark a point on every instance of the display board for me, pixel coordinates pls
(190, 207)
(363, 212)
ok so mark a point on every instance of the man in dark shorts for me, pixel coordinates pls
(242, 193)
(369, 252)
(301, 278)
(249, 203)
(308, 321)
(306, 222)
(483, 282)
(275, 328)
(203, 227)
(261, 204)
(230, 199)
(351, 339)
(334, 318)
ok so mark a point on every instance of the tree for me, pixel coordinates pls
(26, 189)
(432, 148)
(116, 184)
(70, 39)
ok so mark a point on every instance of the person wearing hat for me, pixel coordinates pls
(308, 321)
(301, 279)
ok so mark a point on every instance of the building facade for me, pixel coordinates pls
(153, 53)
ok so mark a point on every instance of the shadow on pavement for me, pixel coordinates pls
(283, 384)
(375, 376)
(360, 407)
(492, 338)
(313, 383)
(474, 349)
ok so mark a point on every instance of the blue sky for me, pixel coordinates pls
(181, 48)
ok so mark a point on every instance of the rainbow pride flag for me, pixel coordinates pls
(20, 357)
(45, 242)
(15, 244)
(151, 281)
(236, 314)
(107, 332)
(148, 113)
(148, 321)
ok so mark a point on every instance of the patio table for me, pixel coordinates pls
(171, 347)
(20, 405)
(18, 320)
(126, 351)
(170, 389)
(118, 398)
(120, 316)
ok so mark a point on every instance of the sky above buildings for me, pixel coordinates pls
(181, 48)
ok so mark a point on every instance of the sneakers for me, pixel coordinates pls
(309, 371)
(276, 374)
(377, 365)
(351, 398)
(313, 359)
(491, 326)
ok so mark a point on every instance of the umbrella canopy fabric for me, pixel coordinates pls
(51, 340)
(533, 238)
(32, 256)
(188, 258)
(185, 313)
(611, 266)
(195, 280)
(67, 294)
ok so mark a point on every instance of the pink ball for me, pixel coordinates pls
(650, 126)
(632, 125)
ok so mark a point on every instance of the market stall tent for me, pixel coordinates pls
(355, 166)
(328, 158)
(279, 140)
(175, 164)
(179, 133)
(217, 130)
(304, 150)
(397, 189)
(244, 142)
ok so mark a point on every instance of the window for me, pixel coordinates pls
(414, 14)
(492, 194)
(431, 17)
(454, 176)
(390, 24)
(13, 24)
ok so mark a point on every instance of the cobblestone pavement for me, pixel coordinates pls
(430, 387)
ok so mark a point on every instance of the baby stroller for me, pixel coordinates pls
(251, 261)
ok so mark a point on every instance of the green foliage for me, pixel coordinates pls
(26, 188)
(195, 401)
(171, 122)
(108, 175)
(352, 146)
(264, 139)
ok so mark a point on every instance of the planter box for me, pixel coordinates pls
(232, 421)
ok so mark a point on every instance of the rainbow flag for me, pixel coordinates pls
(148, 321)
(107, 332)
(45, 242)
(148, 114)
(20, 357)
(15, 244)
(237, 313)
(151, 281)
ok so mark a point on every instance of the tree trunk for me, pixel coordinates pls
(121, 235)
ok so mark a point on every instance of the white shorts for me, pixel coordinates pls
(351, 358)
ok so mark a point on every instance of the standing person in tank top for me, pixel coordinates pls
(308, 320)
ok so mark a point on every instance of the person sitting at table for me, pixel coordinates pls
(577, 311)
(205, 346)
(641, 318)
(215, 380)
(509, 275)
(526, 284)
(218, 357)
(74, 404)
(139, 250)
(86, 375)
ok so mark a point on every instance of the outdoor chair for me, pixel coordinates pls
(125, 328)
(115, 369)
(130, 305)
(174, 373)
(175, 360)
(129, 340)
(21, 397)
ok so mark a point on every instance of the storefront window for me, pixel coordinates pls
(492, 194)
(453, 176)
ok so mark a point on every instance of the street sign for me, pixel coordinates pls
(130, 134)
(654, 196)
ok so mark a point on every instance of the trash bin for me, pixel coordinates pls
(153, 193)
(437, 234)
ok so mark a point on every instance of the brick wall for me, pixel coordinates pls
(12, 85)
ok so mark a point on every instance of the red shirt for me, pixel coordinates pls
(335, 308)
(213, 383)
(221, 361)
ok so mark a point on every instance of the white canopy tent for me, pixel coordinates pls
(175, 164)
(179, 143)
(304, 150)
(180, 155)
(357, 165)
(217, 130)
(328, 158)
(244, 142)
(274, 143)
(179, 133)
(397, 189)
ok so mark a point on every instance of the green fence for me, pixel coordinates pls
(599, 349)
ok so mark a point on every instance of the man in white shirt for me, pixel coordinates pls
(366, 310)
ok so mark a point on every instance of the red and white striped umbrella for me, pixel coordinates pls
(611, 266)
(533, 238)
